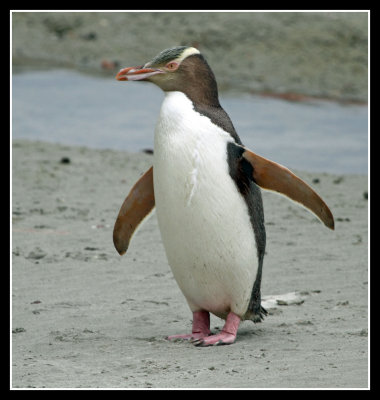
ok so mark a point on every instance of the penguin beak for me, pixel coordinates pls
(137, 73)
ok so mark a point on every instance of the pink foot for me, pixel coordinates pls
(201, 327)
(227, 336)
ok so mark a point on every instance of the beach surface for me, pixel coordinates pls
(85, 317)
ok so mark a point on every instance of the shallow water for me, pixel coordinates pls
(68, 107)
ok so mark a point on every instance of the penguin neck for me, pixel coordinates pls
(205, 95)
(197, 81)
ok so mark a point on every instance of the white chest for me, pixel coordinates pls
(203, 219)
(189, 149)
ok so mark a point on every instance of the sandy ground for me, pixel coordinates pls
(85, 317)
(322, 54)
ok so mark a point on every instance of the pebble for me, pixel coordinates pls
(36, 254)
(65, 160)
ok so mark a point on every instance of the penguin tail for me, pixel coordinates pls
(256, 314)
(259, 315)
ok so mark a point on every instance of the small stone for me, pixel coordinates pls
(338, 180)
(18, 330)
(36, 254)
(65, 160)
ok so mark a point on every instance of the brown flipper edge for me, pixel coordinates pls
(275, 177)
(137, 205)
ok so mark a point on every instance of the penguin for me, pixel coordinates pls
(205, 186)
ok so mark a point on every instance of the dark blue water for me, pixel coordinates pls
(67, 107)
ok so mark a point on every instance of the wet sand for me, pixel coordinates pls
(85, 317)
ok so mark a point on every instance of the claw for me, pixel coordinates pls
(215, 340)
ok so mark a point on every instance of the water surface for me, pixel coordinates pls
(68, 107)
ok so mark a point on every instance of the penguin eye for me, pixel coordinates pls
(172, 66)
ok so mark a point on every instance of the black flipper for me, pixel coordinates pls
(241, 172)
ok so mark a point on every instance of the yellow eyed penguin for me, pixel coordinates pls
(205, 186)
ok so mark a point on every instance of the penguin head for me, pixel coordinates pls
(178, 68)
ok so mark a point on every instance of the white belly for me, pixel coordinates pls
(204, 221)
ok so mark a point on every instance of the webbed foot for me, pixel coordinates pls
(201, 327)
(226, 336)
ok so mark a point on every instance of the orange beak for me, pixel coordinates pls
(137, 73)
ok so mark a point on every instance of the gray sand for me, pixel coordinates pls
(82, 316)
(85, 317)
